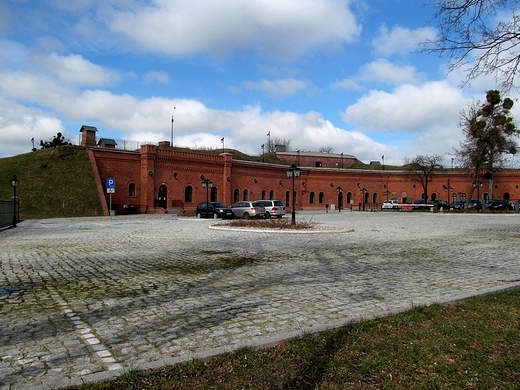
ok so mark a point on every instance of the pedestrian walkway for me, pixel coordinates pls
(88, 299)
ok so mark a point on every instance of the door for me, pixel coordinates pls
(163, 192)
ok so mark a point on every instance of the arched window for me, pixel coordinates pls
(311, 198)
(349, 198)
(287, 198)
(374, 199)
(321, 197)
(271, 194)
(433, 196)
(236, 195)
(213, 196)
(246, 194)
(507, 196)
(131, 189)
(188, 194)
(264, 193)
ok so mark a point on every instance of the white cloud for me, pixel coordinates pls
(385, 71)
(400, 40)
(381, 71)
(408, 108)
(19, 124)
(281, 29)
(157, 77)
(74, 69)
(277, 88)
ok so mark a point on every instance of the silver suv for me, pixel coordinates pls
(248, 209)
(273, 208)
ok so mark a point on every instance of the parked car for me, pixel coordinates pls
(213, 210)
(273, 208)
(458, 204)
(420, 204)
(391, 204)
(501, 204)
(440, 204)
(475, 204)
(248, 209)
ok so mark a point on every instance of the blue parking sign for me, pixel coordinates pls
(111, 185)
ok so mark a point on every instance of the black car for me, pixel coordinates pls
(440, 204)
(501, 204)
(214, 210)
(458, 204)
(475, 204)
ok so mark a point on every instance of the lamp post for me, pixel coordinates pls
(293, 171)
(363, 190)
(448, 188)
(173, 134)
(14, 183)
(477, 184)
(207, 184)
(340, 197)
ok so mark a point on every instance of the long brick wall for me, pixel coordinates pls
(156, 179)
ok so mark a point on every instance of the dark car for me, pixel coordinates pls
(214, 210)
(420, 204)
(475, 204)
(440, 204)
(458, 204)
(501, 204)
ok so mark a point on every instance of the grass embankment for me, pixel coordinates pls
(57, 182)
(474, 344)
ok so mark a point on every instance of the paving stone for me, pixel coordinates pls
(104, 295)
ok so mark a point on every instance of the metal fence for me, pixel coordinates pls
(7, 210)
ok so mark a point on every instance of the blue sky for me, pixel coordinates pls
(318, 73)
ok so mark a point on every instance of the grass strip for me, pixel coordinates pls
(473, 344)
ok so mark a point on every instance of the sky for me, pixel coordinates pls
(345, 75)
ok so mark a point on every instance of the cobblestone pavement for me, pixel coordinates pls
(88, 299)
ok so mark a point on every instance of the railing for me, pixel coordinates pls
(7, 208)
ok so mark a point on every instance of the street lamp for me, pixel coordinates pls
(340, 197)
(207, 184)
(477, 184)
(363, 190)
(448, 188)
(14, 183)
(293, 171)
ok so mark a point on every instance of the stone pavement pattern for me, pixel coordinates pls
(88, 299)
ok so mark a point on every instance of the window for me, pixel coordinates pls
(213, 196)
(271, 194)
(131, 189)
(188, 194)
(321, 197)
(236, 195)
(311, 198)
(264, 193)
(287, 198)
(246, 194)
(318, 164)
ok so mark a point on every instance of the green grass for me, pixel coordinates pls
(472, 345)
(57, 182)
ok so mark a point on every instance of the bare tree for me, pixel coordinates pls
(423, 167)
(272, 143)
(326, 149)
(481, 37)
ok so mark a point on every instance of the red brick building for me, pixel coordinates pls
(156, 179)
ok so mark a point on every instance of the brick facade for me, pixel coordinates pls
(157, 178)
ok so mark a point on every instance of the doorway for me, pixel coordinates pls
(163, 193)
